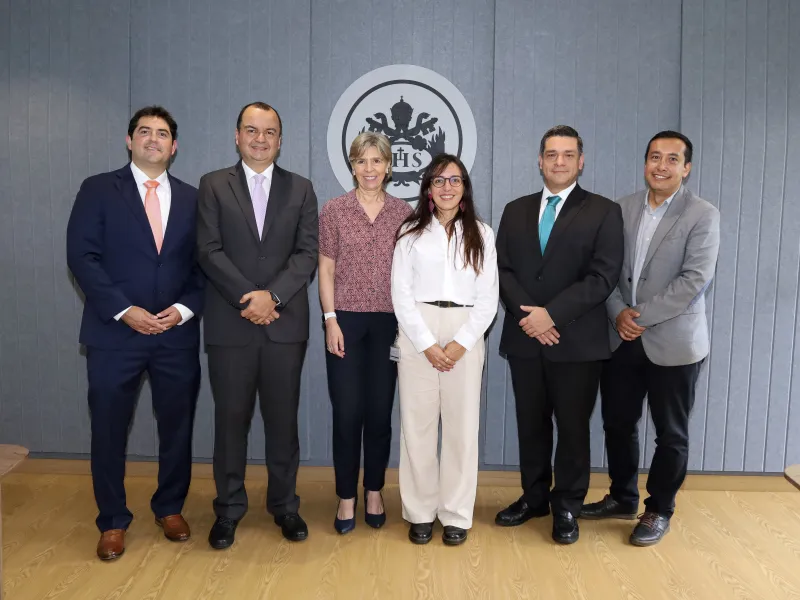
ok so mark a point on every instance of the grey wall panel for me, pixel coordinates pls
(350, 39)
(225, 56)
(613, 80)
(723, 71)
(738, 70)
(61, 88)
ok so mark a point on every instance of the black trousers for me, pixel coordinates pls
(236, 373)
(361, 387)
(114, 378)
(568, 391)
(627, 377)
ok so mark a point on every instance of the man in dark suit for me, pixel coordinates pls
(131, 247)
(659, 336)
(257, 241)
(559, 254)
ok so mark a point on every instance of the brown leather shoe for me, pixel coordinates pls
(175, 527)
(111, 544)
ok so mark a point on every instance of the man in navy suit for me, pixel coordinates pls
(131, 245)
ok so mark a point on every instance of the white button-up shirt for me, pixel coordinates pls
(563, 194)
(251, 182)
(426, 269)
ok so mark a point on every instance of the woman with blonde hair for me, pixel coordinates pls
(357, 233)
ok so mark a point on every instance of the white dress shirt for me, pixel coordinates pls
(563, 194)
(164, 193)
(426, 269)
(251, 182)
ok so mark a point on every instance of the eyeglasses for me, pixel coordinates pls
(455, 181)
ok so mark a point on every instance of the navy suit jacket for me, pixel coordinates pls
(112, 254)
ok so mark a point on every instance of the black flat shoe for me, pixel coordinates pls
(565, 527)
(454, 536)
(292, 527)
(651, 528)
(374, 521)
(519, 512)
(343, 526)
(222, 533)
(608, 508)
(420, 533)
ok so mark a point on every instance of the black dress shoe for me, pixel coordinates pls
(373, 520)
(343, 526)
(651, 528)
(608, 508)
(453, 536)
(222, 533)
(420, 533)
(293, 527)
(565, 527)
(519, 512)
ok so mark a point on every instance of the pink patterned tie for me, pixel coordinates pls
(152, 207)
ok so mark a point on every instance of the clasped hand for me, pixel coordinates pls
(539, 325)
(627, 328)
(260, 307)
(444, 359)
(145, 323)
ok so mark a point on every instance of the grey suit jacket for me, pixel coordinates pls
(237, 261)
(677, 270)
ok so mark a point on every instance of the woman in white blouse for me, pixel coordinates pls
(445, 294)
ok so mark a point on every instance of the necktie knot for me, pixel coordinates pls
(151, 185)
(259, 178)
(553, 200)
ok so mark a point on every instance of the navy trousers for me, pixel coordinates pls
(115, 378)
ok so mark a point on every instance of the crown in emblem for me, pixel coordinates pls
(401, 114)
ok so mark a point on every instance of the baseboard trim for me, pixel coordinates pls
(309, 474)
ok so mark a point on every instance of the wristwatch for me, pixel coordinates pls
(326, 316)
(275, 299)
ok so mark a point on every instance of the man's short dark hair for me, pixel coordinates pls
(674, 135)
(153, 111)
(561, 131)
(262, 106)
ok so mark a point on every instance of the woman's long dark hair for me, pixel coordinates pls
(417, 221)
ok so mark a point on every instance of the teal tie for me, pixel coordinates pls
(548, 219)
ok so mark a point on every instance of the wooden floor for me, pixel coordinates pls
(740, 544)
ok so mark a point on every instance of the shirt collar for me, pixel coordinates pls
(563, 194)
(249, 173)
(664, 205)
(140, 176)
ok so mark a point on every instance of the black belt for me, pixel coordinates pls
(448, 304)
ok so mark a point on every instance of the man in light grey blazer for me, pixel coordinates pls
(659, 336)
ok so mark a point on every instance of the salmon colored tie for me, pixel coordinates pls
(152, 207)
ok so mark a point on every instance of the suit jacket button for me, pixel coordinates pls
(262, 258)
(629, 279)
(539, 278)
(160, 264)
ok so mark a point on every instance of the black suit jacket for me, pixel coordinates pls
(113, 256)
(236, 261)
(579, 269)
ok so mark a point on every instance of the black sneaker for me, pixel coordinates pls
(651, 528)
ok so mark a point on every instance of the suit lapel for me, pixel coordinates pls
(278, 197)
(572, 206)
(126, 185)
(238, 184)
(533, 222)
(177, 212)
(674, 211)
(631, 221)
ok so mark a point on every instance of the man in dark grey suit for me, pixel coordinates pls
(257, 243)
(659, 335)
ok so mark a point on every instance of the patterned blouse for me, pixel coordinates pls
(362, 250)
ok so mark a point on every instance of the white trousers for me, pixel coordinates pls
(431, 487)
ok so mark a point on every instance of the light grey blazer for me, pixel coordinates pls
(677, 270)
